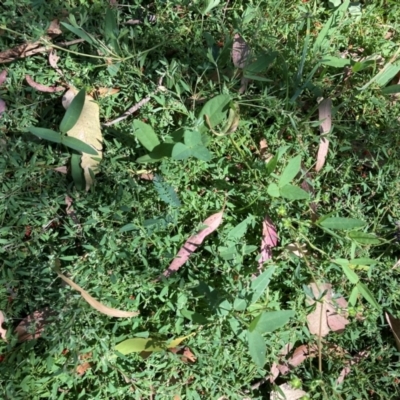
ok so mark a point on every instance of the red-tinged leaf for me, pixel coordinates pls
(3, 332)
(43, 88)
(193, 243)
(394, 324)
(269, 240)
(325, 111)
(3, 106)
(3, 76)
(240, 52)
(355, 360)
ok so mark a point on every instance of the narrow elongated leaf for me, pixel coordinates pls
(43, 88)
(364, 238)
(260, 284)
(270, 321)
(73, 112)
(3, 332)
(268, 241)
(257, 347)
(240, 52)
(112, 312)
(44, 133)
(367, 294)
(3, 76)
(78, 145)
(325, 111)
(292, 192)
(391, 89)
(193, 243)
(290, 171)
(394, 324)
(340, 223)
(194, 317)
(387, 73)
(351, 275)
(77, 171)
(336, 62)
(216, 111)
(145, 134)
(78, 32)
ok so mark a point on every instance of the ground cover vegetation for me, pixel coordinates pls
(199, 200)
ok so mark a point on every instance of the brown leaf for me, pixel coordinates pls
(3, 76)
(61, 170)
(104, 92)
(188, 356)
(3, 107)
(32, 326)
(112, 312)
(268, 241)
(325, 115)
(3, 332)
(23, 50)
(54, 29)
(394, 324)
(147, 176)
(43, 88)
(193, 243)
(299, 250)
(240, 52)
(85, 365)
(53, 60)
(326, 316)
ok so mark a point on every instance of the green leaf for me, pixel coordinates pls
(368, 295)
(292, 192)
(78, 145)
(239, 304)
(391, 89)
(216, 110)
(73, 112)
(239, 230)
(181, 152)
(202, 153)
(353, 296)
(208, 5)
(364, 238)
(157, 154)
(128, 228)
(261, 64)
(290, 172)
(78, 32)
(194, 317)
(77, 171)
(145, 134)
(272, 164)
(257, 348)
(137, 345)
(270, 321)
(386, 74)
(273, 190)
(260, 284)
(44, 133)
(336, 62)
(363, 261)
(351, 275)
(192, 138)
(341, 223)
(111, 29)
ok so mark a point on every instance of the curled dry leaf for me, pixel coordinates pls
(240, 52)
(53, 60)
(111, 312)
(193, 243)
(87, 129)
(43, 88)
(32, 326)
(268, 241)
(54, 29)
(394, 324)
(289, 393)
(3, 332)
(326, 316)
(3, 76)
(325, 115)
(147, 176)
(61, 170)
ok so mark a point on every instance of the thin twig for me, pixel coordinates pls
(137, 106)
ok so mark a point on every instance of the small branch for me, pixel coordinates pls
(137, 106)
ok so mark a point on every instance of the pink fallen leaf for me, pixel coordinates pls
(325, 115)
(53, 60)
(3, 106)
(3, 332)
(3, 76)
(394, 324)
(43, 88)
(61, 170)
(193, 243)
(268, 241)
(54, 28)
(326, 316)
(32, 326)
(355, 360)
(240, 52)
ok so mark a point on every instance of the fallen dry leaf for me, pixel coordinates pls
(43, 88)
(325, 115)
(240, 52)
(355, 360)
(104, 92)
(3, 76)
(193, 243)
(32, 326)
(3, 107)
(54, 29)
(85, 365)
(53, 60)
(87, 129)
(268, 241)
(326, 316)
(3, 332)
(112, 312)
(289, 393)
(147, 176)
(61, 170)
(299, 250)
(394, 324)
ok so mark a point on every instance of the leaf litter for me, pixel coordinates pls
(43, 88)
(268, 241)
(325, 115)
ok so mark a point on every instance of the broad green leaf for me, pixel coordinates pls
(202, 153)
(270, 321)
(273, 190)
(361, 65)
(391, 89)
(336, 62)
(363, 237)
(78, 32)
(353, 296)
(387, 73)
(194, 317)
(216, 111)
(351, 275)
(208, 5)
(239, 304)
(239, 230)
(73, 112)
(365, 292)
(128, 228)
(224, 307)
(181, 152)
(260, 284)
(272, 164)
(78, 145)
(363, 261)
(192, 138)
(341, 223)
(257, 348)
(157, 154)
(292, 192)
(44, 133)
(137, 345)
(290, 172)
(145, 134)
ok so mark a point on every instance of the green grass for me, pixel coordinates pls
(119, 268)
